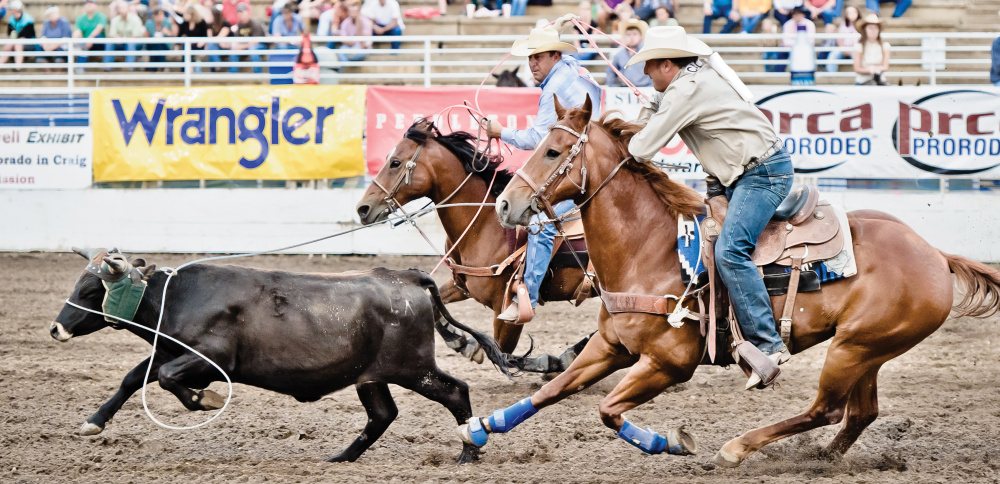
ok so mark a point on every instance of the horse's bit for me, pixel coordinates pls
(405, 176)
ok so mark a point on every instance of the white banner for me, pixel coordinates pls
(869, 132)
(45, 158)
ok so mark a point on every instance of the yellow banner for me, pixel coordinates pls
(227, 133)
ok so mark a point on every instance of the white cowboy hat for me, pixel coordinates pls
(871, 18)
(541, 40)
(669, 43)
(633, 23)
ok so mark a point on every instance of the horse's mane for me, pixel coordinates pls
(463, 145)
(678, 198)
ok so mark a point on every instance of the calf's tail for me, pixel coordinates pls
(489, 345)
(981, 284)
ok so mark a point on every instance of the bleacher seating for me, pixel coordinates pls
(923, 16)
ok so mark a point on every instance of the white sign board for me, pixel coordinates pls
(45, 158)
(869, 132)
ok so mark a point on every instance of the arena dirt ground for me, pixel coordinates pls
(939, 422)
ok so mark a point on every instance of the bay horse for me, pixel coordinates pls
(903, 290)
(441, 167)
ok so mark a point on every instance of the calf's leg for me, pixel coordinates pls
(131, 384)
(179, 375)
(381, 410)
(449, 391)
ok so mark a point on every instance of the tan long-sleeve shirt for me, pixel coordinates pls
(722, 130)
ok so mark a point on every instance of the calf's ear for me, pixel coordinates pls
(147, 272)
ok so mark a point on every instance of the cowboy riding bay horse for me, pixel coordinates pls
(445, 168)
(902, 292)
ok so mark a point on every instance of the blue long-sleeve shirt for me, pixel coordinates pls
(572, 88)
(633, 74)
(995, 66)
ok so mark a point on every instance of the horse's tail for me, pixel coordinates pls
(981, 284)
(489, 345)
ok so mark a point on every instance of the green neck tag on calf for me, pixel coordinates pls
(122, 299)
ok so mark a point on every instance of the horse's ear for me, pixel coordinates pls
(515, 70)
(496, 76)
(588, 109)
(423, 124)
(560, 111)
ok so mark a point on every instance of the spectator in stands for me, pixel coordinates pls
(783, 10)
(312, 9)
(91, 25)
(330, 20)
(354, 25)
(995, 64)
(159, 25)
(623, 13)
(829, 28)
(800, 16)
(871, 53)
(828, 10)
(229, 10)
(632, 33)
(848, 20)
(124, 25)
(901, 6)
(289, 24)
(663, 18)
(586, 18)
(752, 11)
(386, 16)
(193, 26)
(720, 9)
(517, 7)
(3, 8)
(606, 12)
(768, 26)
(220, 28)
(647, 9)
(248, 27)
(54, 27)
(19, 26)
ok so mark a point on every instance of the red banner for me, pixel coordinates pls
(392, 109)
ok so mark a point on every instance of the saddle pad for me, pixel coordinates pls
(688, 243)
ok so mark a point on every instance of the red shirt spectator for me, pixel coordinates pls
(229, 10)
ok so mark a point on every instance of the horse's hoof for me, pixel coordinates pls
(681, 442)
(90, 429)
(210, 400)
(341, 457)
(469, 455)
(478, 355)
(725, 459)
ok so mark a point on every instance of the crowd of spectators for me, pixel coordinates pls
(229, 19)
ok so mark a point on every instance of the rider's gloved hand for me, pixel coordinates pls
(564, 24)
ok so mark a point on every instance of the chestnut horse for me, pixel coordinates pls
(901, 294)
(441, 166)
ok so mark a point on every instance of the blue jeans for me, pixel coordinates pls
(584, 56)
(218, 58)
(157, 47)
(834, 56)
(753, 198)
(719, 12)
(395, 31)
(775, 56)
(130, 59)
(750, 22)
(351, 53)
(518, 8)
(540, 251)
(647, 10)
(997, 84)
(901, 6)
(255, 57)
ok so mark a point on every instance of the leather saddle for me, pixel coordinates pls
(803, 229)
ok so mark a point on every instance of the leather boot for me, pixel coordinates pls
(777, 358)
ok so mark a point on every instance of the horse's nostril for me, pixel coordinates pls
(504, 207)
(363, 211)
(54, 331)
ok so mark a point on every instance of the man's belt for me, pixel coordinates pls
(759, 160)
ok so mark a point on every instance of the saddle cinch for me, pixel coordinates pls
(572, 239)
(803, 230)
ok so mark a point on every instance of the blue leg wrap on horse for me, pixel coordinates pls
(477, 432)
(646, 440)
(503, 420)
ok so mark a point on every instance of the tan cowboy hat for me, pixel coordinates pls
(871, 18)
(668, 43)
(633, 23)
(541, 40)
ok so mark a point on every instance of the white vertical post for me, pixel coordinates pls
(70, 59)
(934, 69)
(427, 63)
(187, 63)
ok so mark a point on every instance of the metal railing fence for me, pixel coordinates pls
(429, 58)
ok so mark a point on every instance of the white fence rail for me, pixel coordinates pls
(433, 59)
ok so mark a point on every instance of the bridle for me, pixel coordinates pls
(563, 170)
(405, 176)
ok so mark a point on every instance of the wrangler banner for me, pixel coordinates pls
(392, 109)
(227, 133)
(869, 132)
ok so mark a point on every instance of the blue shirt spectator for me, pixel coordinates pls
(634, 74)
(995, 67)
(288, 24)
(59, 28)
(566, 81)
(901, 6)
(720, 9)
